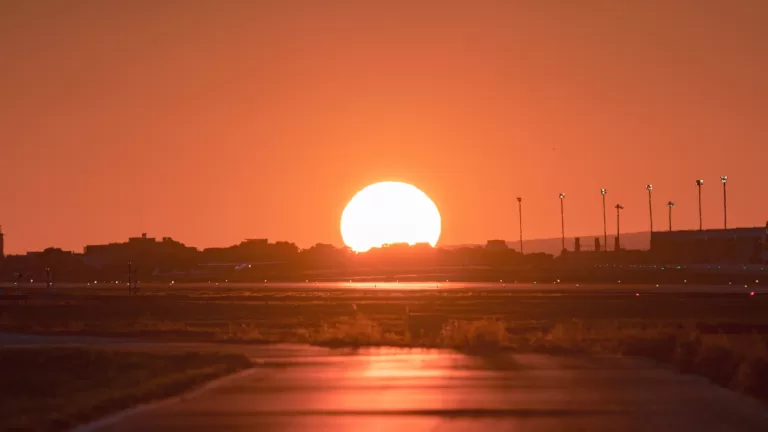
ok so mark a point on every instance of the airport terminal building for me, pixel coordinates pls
(735, 245)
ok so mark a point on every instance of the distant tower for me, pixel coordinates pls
(2, 243)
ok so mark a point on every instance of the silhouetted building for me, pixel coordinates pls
(256, 242)
(496, 245)
(141, 250)
(251, 251)
(65, 264)
(2, 243)
(735, 245)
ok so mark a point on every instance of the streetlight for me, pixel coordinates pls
(650, 206)
(520, 211)
(562, 217)
(618, 226)
(605, 225)
(670, 205)
(724, 179)
(698, 184)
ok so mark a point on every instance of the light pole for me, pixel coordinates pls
(605, 225)
(618, 226)
(724, 179)
(650, 205)
(562, 217)
(520, 212)
(698, 184)
(670, 205)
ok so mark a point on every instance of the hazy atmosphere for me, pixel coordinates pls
(218, 121)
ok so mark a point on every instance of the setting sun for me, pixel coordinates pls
(388, 213)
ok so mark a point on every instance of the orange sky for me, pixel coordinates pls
(224, 120)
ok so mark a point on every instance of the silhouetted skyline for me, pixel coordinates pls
(228, 120)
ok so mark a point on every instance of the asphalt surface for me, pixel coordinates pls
(297, 388)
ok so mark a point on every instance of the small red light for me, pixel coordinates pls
(752, 293)
(637, 294)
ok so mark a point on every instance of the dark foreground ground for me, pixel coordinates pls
(302, 388)
(51, 388)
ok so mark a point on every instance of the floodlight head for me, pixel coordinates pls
(603, 191)
(671, 204)
(561, 195)
(649, 187)
(519, 199)
(723, 179)
(619, 207)
(699, 182)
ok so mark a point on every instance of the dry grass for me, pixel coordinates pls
(480, 336)
(735, 361)
(359, 330)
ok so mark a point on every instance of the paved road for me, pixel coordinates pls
(313, 389)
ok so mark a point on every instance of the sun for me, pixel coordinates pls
(388, 213)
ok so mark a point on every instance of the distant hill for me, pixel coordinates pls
(638, 240)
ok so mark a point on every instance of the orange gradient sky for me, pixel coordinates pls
(213, 121)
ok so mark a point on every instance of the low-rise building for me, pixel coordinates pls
(141, 250)
(735, 245)
(499, 245)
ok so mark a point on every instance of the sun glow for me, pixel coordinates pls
(388, 213)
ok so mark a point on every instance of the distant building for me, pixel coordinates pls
(2, 243)
(255, 242)
(499, 245)
(405, 247)
(735, 245)
(50, 253)
(250, 251)
(140, 250)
